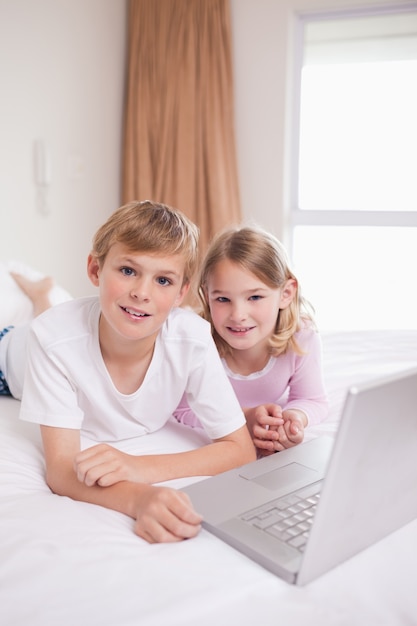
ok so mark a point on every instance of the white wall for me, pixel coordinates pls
(263, 51)
(61, 80)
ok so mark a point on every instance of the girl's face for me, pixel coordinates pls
(244, 310)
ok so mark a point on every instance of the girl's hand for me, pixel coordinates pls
(264, 422)
(104, 465)
(291, 433)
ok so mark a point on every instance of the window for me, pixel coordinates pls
(354, 187)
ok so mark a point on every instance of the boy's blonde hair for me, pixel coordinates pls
(260, 253)
(150, 227)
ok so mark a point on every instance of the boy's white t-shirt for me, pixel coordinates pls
(67, 384)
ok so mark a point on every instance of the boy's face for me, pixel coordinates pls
(137, 291)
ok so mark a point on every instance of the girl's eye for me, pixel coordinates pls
(127, 271)
(222, 299)
(163, 281)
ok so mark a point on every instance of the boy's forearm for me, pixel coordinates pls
(211, 459)
(102, 475)
(160, 514)
(123, 497)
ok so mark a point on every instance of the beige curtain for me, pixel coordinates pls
(179, 143)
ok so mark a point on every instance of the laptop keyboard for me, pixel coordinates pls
(288, 518)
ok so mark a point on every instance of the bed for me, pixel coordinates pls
(70, 563)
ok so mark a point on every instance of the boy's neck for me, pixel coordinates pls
(128, 369)
(126, 361)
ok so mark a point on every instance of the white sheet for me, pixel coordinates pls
(68, 563)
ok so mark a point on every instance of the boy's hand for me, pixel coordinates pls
(161, 514)
(104, 465)
(166, 515)
(264, 422)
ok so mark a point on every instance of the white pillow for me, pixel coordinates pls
(15, 307)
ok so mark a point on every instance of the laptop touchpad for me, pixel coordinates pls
(284, 476)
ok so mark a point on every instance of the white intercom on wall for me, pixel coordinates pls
(42, 172)
(42, 164)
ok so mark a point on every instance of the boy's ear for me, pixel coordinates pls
(288, 293)
(93, 269)
(183, 292)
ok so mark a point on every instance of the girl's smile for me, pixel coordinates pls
(240, 331)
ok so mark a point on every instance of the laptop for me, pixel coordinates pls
(305, 510)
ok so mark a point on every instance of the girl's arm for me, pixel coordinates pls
(160, 514)
(307, 393)
(104, 465)
(306, 403)
(185, 415)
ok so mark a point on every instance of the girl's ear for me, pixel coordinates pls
(93, 269)
(288, 293)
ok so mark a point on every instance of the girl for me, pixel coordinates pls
(266, 337)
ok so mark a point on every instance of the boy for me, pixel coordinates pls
(115, 367)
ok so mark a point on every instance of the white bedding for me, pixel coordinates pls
(68, 563)
(15, 306)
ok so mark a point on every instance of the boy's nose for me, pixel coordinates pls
(140, 290)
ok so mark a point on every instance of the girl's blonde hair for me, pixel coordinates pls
(150, 227)
(260, 253)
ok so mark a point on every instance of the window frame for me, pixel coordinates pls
(329, 217)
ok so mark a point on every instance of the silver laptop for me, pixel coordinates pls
(305, 510)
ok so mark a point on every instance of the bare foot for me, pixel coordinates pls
(37, 291)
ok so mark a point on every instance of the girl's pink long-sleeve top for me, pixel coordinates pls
(290, 380)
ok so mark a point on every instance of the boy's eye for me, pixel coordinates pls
(163, 281)
(255, 298)
(127, 271)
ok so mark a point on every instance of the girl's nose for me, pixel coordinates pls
(238, 312)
